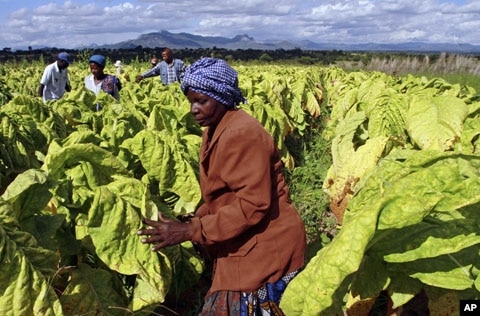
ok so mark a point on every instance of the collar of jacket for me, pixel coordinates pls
(224, 122)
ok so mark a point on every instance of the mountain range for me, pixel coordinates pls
(191, 41)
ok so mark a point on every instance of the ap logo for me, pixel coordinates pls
(470, 307)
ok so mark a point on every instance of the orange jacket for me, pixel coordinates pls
(247, 223)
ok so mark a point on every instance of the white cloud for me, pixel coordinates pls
(75, 22)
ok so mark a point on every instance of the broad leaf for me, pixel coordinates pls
(436, 122)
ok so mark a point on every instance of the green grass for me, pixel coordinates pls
(312, 154)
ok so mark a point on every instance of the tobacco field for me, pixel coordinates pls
(403, 184)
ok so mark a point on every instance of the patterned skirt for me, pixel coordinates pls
(262, 302)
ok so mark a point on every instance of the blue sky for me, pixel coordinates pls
(72, 23)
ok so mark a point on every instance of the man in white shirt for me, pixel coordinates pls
(55, 79)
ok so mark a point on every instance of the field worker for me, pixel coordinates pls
(169, 69)
(247, 224)
(99, 80)
(119, 67)
(55, 80)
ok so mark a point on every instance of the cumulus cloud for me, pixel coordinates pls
(72, 23)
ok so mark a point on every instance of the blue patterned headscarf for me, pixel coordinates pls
(215, 78)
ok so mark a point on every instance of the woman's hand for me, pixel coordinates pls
(165, 232)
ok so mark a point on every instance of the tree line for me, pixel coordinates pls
(189, 55)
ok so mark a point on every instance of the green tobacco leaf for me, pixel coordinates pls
(120, 124)
(28, 195)
(27, 106)
(436, 122)
(372, 88)
(378, 206)
(76, 113)
(470, 140)
(82, 95)
(112, 223)
(93, 291)
(312, 104)
(386, 114)
(371, 277)
(455, 279)
(349, 163)
(276, 122)
(104, 162)
(166, 159)
(344, 103)
(451, 271)
(22, 182)
(443, 182)
(477, 282)
(186, 266)
(77, 137)
(438, 239)
(165, 118)
(7, 213)
(144, 297)
(44, 228)
(316, 288)
(25, 272)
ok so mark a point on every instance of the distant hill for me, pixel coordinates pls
(186, 40)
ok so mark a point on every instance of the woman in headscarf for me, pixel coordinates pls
(99, 80)
(247, 224)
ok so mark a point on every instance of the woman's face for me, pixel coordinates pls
(96, 69)
(206, 110)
